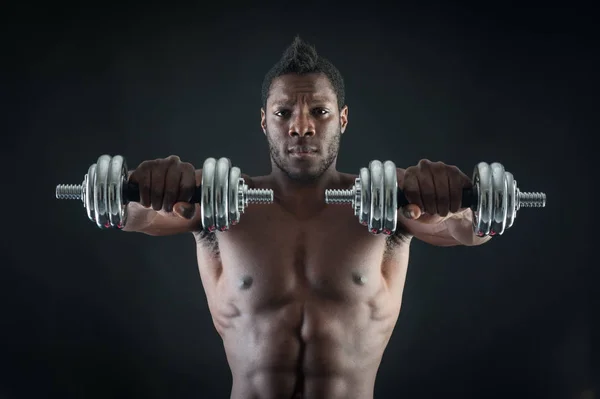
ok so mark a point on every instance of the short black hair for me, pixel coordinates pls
(302, 58)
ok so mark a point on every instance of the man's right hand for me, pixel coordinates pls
(166, 185)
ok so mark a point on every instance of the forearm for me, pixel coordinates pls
(460, 227)
(142, 219)
(153, 223)
(139, 218)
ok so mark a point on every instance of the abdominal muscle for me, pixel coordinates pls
(295, 324)
(311, 349)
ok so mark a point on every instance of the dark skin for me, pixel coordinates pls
(303, 296)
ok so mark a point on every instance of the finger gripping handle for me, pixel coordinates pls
(131, 193)
(469, 198)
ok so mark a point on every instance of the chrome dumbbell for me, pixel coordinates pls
(494, 198)
(105, 192)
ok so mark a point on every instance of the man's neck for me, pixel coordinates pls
(302, 198)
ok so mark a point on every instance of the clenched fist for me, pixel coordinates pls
(433, 188)
(166, 185)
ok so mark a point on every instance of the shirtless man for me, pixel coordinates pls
(304, 297)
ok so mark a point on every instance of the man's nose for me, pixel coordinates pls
(302, 126)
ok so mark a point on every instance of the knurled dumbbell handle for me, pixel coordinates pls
(131, 193)
(469, 198)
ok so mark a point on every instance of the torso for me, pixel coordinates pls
(305, 308)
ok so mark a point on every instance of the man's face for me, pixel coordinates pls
(303, 125)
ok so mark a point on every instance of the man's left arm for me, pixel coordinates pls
(434, 214)
(454, 229)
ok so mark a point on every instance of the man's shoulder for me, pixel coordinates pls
(257, 181)
(346, 179)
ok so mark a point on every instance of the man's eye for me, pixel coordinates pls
(320, 111)
(282, 113)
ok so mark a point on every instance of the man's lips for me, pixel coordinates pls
(302, 150)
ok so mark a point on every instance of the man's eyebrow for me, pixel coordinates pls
(321, 100)
(289, 101)
(282, 101)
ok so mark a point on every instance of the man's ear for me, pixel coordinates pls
(344, 118)
(263, 121)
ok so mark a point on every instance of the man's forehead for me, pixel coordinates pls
(317, 86)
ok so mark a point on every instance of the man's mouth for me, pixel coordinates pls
(302, 150)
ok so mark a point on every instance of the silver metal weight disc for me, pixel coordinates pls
(390, 197)
(100, 192)
(89, 192)
(511, 205)
(356, 200)
(482, 214)
(234, 184)
(221, 186)
(207, 203)
(365, 196)
(376, 213)
(117, 174)
(499, 195)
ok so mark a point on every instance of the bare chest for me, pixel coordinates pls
(274, 258)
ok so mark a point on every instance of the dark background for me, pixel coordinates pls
(104, 314)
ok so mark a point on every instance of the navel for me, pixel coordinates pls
(245, 282)
(359, 278)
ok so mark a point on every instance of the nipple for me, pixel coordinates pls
(245, 282)
(359, 278)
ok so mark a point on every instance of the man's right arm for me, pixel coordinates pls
(141, 219)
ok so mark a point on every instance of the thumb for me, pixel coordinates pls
(184, 210)
(411, 211)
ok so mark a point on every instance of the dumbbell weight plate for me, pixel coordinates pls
(376, 211)
(499, 203)
(390, 197)
(100, 192)
(208, 194)
(511, 194)
(356, 197)
(482, 213)
(117, 173)
(364, 210)
(88, 196)
(234, 195)
(221, 189)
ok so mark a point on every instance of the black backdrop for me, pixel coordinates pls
(104, 314)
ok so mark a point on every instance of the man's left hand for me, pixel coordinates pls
(434, 191)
